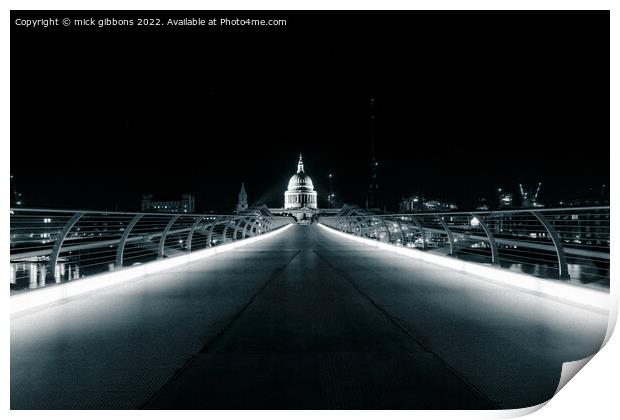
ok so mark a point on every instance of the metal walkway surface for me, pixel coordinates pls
(301, 320)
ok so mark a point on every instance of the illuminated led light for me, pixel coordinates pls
(568, 292)
(48, 295)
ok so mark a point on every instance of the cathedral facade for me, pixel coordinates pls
(300, 198)
(300, 192)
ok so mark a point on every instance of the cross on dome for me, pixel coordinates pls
(300, 165)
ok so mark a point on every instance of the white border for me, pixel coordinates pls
(593, 394)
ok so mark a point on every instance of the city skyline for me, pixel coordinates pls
(458, 114)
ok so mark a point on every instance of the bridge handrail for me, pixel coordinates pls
(570, 243)
(52, 246)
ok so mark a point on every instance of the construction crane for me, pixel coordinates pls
(535, 198)
(527, 200)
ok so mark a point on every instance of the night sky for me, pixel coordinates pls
(465, 102)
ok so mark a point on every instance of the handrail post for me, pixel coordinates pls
(487, 231)
(448, 232)
(162, 239)
(559, 249)
(51, 275)
(120, 250)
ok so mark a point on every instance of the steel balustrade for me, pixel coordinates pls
(54, 246)
(566, 243)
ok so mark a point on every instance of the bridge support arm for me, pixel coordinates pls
(190, 235)
(421, 229)
(448, 232)
(387, 230)
(400, 230)
(58, 245)
(121, 244)
(559, 249)
(487, 231)
(210, 233)
(253, 228)
(162, 239)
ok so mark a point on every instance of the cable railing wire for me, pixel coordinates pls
(54, 246)
(571, 244)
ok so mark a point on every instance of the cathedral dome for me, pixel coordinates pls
(300, 181)
(300, 192)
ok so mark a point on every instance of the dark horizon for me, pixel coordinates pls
(465, 102)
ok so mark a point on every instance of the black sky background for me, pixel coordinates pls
(465, 102)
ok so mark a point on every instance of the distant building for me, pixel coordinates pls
(482, 205)
(300, 198)
(242, 203)
(411, 204)
(416, 203)
(505, 200)
(185, 205)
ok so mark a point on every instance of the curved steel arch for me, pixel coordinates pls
(162, 238)
(354, 226)
(51, 275)
(250, 224)
(448, 232)
(400, 230)
(229, 224)
(190, 235)
(559, 249)
(238, 226)
(421, 229)
(120, 250)
(253, 227)
(210, 233)
(359, 229)
(487, 231)
(387, 230)
(267, 225)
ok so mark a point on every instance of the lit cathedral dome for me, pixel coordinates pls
(300, 181)
(300, 191)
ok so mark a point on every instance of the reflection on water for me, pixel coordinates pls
(34, 274)
(592, 274)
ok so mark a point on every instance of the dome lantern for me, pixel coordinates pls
(300, 165)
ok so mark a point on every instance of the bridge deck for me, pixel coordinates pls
(302, 320)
